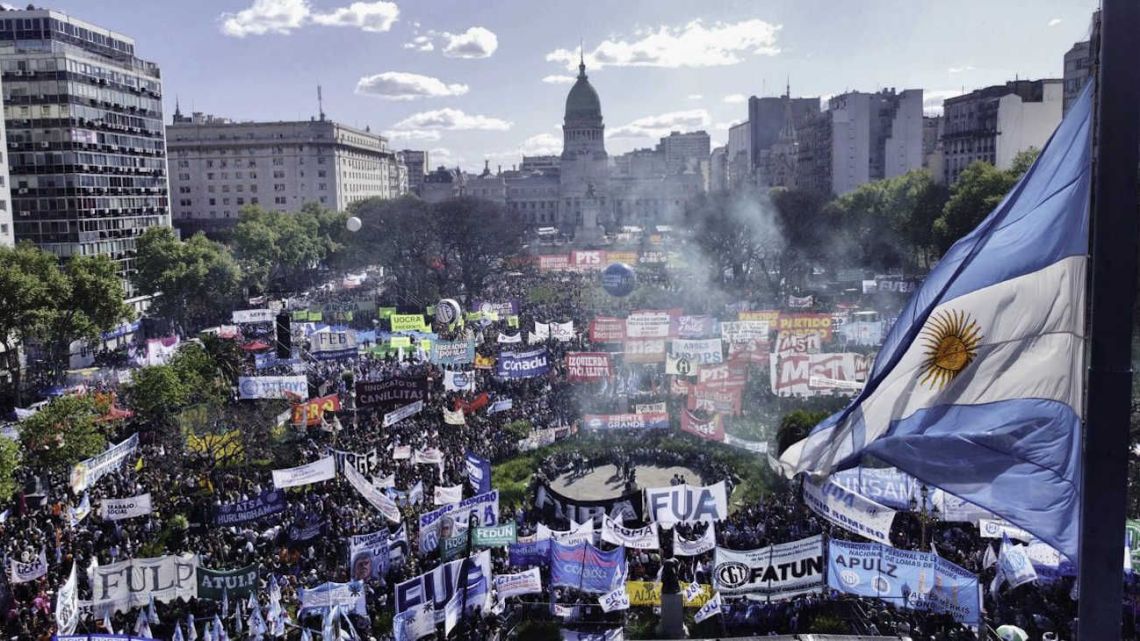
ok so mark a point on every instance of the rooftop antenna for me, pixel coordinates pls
(320, 104)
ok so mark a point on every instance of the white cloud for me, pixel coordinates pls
(451, 119)
(1054, 22)
(735, 99)
(412, 134)
(442, 156)
(695, 96)
(375, 17)
(420, 43)
(962, 69)
(266, 16)
(932, 99)
(397, 85)
(558, 79)
(692, 45)
(724, 126)
(476, 42)
(661, 125)
(542, 145)
(284, 16)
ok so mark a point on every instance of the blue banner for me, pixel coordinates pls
(586, 568)
(531, 554)
(453, 352)
(921, 580)
(523, 364)
(478, 473)
(886, 486)
(265, 504)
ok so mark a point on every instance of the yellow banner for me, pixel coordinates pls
(226, 445)
(408, 323)
(649, 593)
(484, 362)
(513, 322)
(627, 257)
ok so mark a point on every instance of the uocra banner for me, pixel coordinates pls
(627, 506)
(687, 503)
(588, 366)
(778, 571)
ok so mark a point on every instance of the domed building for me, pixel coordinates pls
(584, 183)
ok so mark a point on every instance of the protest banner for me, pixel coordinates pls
(118, 587)
(648, 593)
(25, 571)
(265, 504)
(586, 568)
(452, 519)
(777, 572)
(707, 351)
(411, 409)
(330, 345)
(517, 365)
(509, 585)
(87, 472)
(849, 510)
(453, 352)
(802, 324)
(313, 410)
(644, 350)
(408, 323)
(683, 546)
(815, 374)
(648, 324)
(236, 584)
(494, 536)
(240, 316)
(607, 329)
(652, 421)
(456, 381)
(363, 462)
(391, 393)
(261, 387)
(320, 470)
(347, 597)
(588, 366)
(436, 587)
(681, 503)
(711, 429)
(125, 508)
(372, 494)
(625, 507)
(641, 538)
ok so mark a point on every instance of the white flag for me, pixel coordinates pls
(67, 604)
(1014, 566)
(711, 608)
(615, 600)
(448, 495)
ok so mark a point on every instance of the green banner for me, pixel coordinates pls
(453, 547)
(407, 322)
(385, 312)
(513, 322)
(236, 583)
(400, 341)
(494, 536)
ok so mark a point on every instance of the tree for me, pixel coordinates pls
(61, 434)
(979, 190)
(156, 393)
(89, 302)
(740, 239)
(796, 425)
(29, 278)
(403, 236)
(278, 249)
(9, 460)
(475, 235)
(199, 279)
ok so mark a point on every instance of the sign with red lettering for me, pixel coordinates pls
(607, 329)
(310, 412)
(588, 366)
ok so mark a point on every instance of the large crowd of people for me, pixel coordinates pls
(306, 545)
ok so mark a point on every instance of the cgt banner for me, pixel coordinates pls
(265, 504)
(235, 584)
(516, 365)
(682, 503)
(777, 572)
(849, 510)
(391, 393)
(586, 568)
(649, 420)
(627, 507)
(711, 429)
(255, 387)
(453, 352)
(313, 410)
(118, 587)
(905, 578)
(588, 366)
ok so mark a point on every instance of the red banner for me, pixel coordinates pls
(607, 329)
(678, 386)
(588, 366)
(310, 412)
(723, 401)
(724, 376)
(750, 351)
(585, 260)
(711, 429)
(554, 263)
(474, 405)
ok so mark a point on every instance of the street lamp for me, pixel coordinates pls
(927, 514)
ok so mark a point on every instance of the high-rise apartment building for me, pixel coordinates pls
(219, 166)
(86, 152)
(417, 163)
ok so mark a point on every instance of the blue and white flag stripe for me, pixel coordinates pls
(978, 387)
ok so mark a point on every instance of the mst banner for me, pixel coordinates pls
(588, 366)
(777, 572)
(687, 503)
(391, 393)
(905, 578)
(513, 365)
(627, 507)
(118, 587)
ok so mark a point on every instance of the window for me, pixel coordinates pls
(278, 187)
(278, 162)
(241, 201)
(321, 173)
(183, 176)
(253, 201)
(279, 200)
(183, 189)
(210, 188)
(278, 174)
(213, 201)
(209, 175)
(209, 163)
(225, 201)
(322, 186)
(253, 189)
(225, 175)
(253, 175)
(183, 163)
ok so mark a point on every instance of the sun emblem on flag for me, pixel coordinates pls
(951, 340)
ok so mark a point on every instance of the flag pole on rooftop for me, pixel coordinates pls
(1104, 484)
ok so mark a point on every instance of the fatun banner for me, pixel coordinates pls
(777, 572)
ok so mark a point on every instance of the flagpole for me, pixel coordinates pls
(1109, 383)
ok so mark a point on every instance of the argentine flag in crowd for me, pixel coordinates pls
(978, 387)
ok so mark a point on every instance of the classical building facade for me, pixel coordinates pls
(219, 166)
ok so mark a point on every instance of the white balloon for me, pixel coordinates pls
(353, 224)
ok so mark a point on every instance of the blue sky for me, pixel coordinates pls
(470, 80)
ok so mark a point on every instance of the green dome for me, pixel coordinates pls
(582, 102)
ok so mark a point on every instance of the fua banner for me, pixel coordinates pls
(128, 508)
(849, 511)
(118, 587)
(687, 503)
(779, 571)
(235, 584)
(512, 365)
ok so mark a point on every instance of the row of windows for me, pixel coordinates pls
(72, 180)
(27, 160)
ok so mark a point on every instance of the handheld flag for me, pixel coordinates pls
(710, 608)
(1014, 566)
(978, 387)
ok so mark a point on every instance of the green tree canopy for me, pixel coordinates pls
(199, 279)
(282, 249)
(979, 190)
(63, 433)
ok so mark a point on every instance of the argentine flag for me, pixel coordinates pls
(978, 387)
